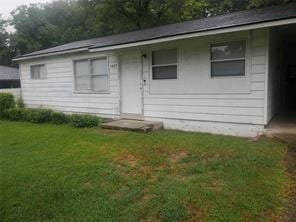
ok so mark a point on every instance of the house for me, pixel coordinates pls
(9, 77)
(224, 74)
(10, 80)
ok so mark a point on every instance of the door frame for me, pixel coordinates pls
(139, 116)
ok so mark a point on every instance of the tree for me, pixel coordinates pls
(41, 26)
(6, 51)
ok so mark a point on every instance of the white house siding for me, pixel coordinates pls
(197, 102)
(57, 90)
(14, 91)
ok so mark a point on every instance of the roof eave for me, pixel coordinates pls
(200, 33)
(50, 54)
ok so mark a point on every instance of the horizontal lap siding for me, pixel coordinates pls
(57, 90)
(246, 108)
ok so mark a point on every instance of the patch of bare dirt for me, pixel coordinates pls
(127, 159)
(89, 185)
(195, 213)
(175, 157)
(134, 168)
(162, 150)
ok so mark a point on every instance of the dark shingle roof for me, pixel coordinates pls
(211, 23)
(9, 73)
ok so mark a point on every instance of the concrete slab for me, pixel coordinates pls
(133, 125)
(283, 123)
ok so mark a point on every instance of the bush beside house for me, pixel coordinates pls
(6, 102)
(85, 121)
(9, 110)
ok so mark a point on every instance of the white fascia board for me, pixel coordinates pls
(50, 54)
(198, 34)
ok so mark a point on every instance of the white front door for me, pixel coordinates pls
(131, 88)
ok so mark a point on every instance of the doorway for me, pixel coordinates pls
(131, 85)
(284, 86)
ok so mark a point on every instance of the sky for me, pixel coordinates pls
(6, 6)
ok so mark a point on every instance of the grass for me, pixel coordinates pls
(59, 173)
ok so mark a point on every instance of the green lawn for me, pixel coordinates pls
(60, 173)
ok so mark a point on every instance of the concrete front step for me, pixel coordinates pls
(133, 125)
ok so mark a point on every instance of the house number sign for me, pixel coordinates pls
(113, 65)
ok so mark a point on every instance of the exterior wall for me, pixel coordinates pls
(14, 91)
(194, 101)
(274, 81)
(57, 90)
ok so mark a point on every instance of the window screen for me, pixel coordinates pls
(100, 79)
(91, 75)
(38, 72)
(164, 64)
(228, 59)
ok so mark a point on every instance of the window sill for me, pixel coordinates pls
(228, 77)
(164, 79)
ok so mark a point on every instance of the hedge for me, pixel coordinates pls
(17, 112)
(59, 118)
(38, 115)
(6, 102)
(85, 120)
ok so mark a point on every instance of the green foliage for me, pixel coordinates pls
(59, 118)
(20, 103)
(6, 102)
(107, 175)
(15, 114)
(18, 113)
(80, 121)
(37, 115)
(173, 212)
(41, 26)
(264, 3)
(7, 50)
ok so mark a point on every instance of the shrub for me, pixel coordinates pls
(15, 114)
(38, 115)
(59, 118)
(20, 103)
(6, 102)
(47, 115)
(85, 120)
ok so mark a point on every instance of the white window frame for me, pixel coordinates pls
(164, 65)
(40, 78)
(91, 75)
(229, 60)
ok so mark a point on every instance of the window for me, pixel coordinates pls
(38, 72)
(91, 75)
(228, 59)
(164, 64)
